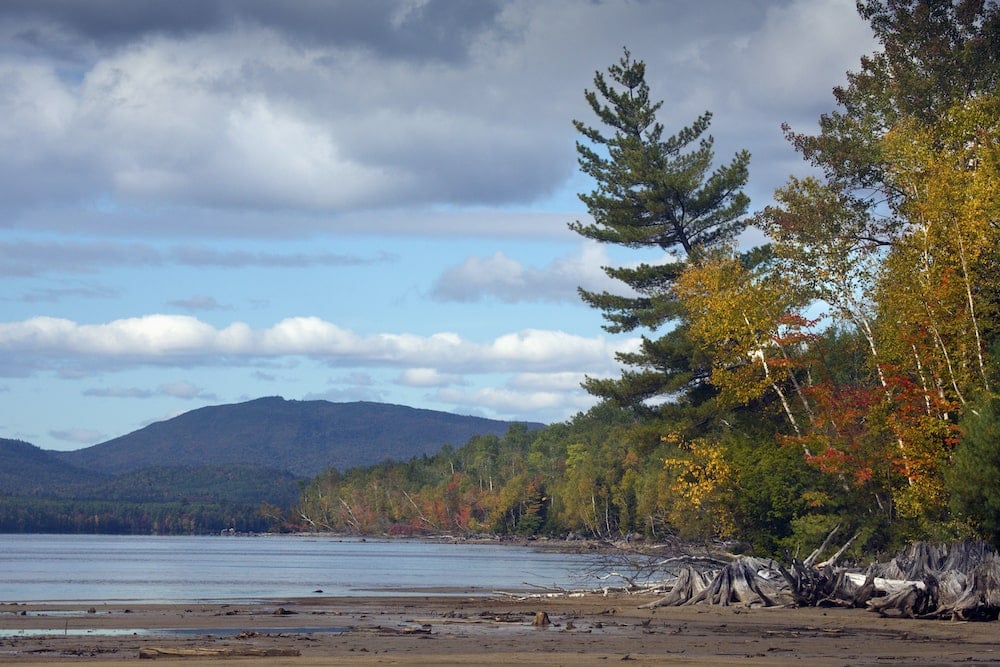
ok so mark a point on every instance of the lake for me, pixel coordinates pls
(61, 568)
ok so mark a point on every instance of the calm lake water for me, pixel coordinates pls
(182, 569)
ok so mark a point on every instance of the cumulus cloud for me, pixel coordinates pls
(339, 108)
(161, 338)
(540, 395)
(257, 121)
(506, 279)
(507, 401)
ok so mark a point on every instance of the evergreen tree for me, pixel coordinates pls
(973, 478)
(653, 192)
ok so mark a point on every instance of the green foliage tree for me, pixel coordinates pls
(974, 479)
(653, 192)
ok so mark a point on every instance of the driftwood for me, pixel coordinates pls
(960, 581)
(747, 581)
(743, 581)
(688, 585)
(228, 652)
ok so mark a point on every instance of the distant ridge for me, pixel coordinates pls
(302, 437)
(29, 470)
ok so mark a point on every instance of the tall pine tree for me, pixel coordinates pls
(653, 192)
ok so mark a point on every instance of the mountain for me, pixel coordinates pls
(236, 484)
(211, 469)
(30, 470)
(301, 437)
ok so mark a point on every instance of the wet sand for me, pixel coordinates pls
(483, 630)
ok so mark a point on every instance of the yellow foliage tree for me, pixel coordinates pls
(937, 291)
(745, 318)
(701, 487)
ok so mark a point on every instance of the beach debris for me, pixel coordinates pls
(152, 653)
(423, 629)
(541, 620)
(954, 581)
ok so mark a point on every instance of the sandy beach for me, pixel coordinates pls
(591, 629)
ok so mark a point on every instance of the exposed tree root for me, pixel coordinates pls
(959, 581)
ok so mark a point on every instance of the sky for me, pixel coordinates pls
(209, 201)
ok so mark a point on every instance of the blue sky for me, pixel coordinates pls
(205, 202)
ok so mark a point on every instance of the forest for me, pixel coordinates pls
(844, 373)
(118, 517)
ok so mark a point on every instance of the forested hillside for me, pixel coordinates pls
(28, 470)
(302, 437)
(216, 468)
(843, 373)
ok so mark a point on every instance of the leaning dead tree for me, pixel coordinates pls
(959, 581)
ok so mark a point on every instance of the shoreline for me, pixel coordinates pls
(414, 629)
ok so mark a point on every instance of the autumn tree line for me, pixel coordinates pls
(27, 514)
(843, 373)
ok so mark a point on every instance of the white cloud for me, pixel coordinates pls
(501, 277)
(803, 46)
(506, 401)
(272, 112)
(159, 146)
(564, 381)
(158, 338)
(246, 117)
